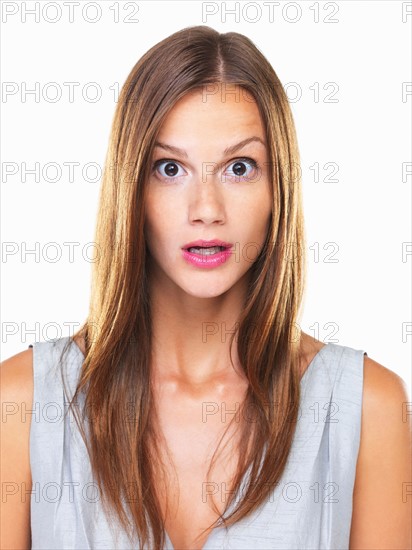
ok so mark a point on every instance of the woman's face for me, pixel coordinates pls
(199, 191)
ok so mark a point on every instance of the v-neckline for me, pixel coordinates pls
(213, 532)
(169, 544)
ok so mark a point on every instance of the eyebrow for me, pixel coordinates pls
(228, 151)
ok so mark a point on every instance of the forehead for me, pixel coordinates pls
(224, 110)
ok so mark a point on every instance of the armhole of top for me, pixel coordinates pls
(348, 395)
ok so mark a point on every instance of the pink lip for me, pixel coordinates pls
(213, 260)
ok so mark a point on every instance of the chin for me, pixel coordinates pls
(206, 290)
(202, 293)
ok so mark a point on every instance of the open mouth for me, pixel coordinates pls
(206, 250)
(207, 253)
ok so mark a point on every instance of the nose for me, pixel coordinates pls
(206, 202)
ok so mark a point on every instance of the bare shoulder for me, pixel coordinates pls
(382, 497)
(16, 374)
(16, 389)
(16, 394)
(380, 381)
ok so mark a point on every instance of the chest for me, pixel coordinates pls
(191, 427)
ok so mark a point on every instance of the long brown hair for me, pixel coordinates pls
(115, 373)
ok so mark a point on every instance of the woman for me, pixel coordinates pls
(198, 414)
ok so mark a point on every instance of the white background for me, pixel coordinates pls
(366, 132)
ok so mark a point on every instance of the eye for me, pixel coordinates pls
(171, 169)
(240, 170)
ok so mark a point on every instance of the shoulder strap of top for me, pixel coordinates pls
(48, 358)
(333, 389)
(345, 416)
(50, 404)
(346, 402)
(57, 462)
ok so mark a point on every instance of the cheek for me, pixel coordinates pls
(152, 228)
(160, 224)
(265, 209)
(155, 215)
(253, 211)
(257, 223)
(250, 231)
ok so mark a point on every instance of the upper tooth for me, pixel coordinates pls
(205, 250)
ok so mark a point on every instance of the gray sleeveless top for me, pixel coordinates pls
(310, 508)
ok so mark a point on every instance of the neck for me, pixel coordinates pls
(191, 335)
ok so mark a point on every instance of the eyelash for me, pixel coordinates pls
(248, 160)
